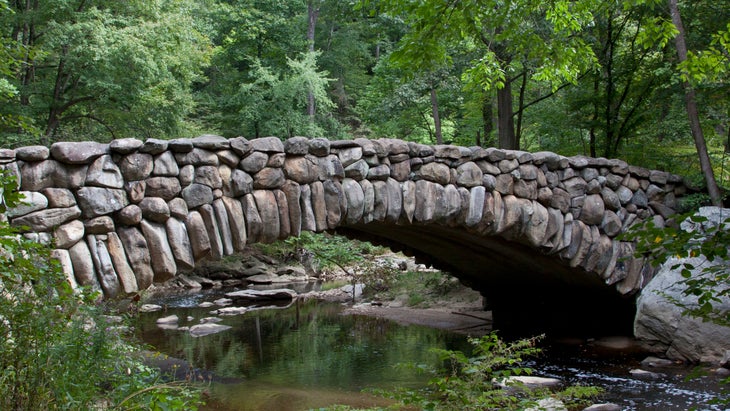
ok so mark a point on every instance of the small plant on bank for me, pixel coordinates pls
(58, 351)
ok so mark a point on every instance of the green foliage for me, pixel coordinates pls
(700, 252)
(472, 382)
(58, 351)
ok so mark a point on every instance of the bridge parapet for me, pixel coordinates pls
(129, 213)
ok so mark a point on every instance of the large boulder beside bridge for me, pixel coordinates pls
(660, 323)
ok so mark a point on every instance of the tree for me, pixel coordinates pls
(525, 39)
(692, 111)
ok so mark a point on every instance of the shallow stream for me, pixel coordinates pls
(308, 356)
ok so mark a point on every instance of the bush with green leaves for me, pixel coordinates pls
(708, 281)
(58, 351)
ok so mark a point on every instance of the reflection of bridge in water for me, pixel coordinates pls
(534, 232)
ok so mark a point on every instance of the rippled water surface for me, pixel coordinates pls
(309, 356)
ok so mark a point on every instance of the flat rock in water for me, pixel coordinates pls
(208, 320)
(259, 295)
(530, 381)
(223, 302)
(657, 362)
(148, 308)
(200, 330)
(604, 407)
(645, 374)
(262, 278)
(229, 311)
(170, 319)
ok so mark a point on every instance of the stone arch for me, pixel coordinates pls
(129, 213)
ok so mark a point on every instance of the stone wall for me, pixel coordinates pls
(129, 213)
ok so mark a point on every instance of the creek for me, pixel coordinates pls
(308, 355)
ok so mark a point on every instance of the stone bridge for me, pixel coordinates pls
(534, 232)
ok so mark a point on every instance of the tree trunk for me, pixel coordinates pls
(505, 121)
(436, 118)
(312, 14)
(487, 118)
(694, 119)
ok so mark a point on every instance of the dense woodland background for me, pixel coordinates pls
(598, 78)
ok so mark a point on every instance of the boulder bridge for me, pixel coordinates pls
(535, 233)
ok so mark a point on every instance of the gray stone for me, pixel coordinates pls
(99, 225)
(180, 145)
(161, 257)
(228, 157)
(104, 267)
(125, 274)
(32, 153)
(30, 201)
(236, 221)
(593, 210)
(64, 260)
(135, 190)
(276, 160)
(380, 172)
(296, 146)
(319, 147)
(269, 213)
(611, 224)
(83, 265)
(241, 183)
(357, 170)
(163, 187)
(125, 145)
(400, 171)
(165, 165)
(46, 220)
(303, 170)
(254, 163)
(394, 201)
(69, 234)
(186, 175)
(59, 197)
(368, 200)
(155, 209)
(197, 157)
(209, 176)
(267, 144)
(198, 235)
(136, 166)
(130, 215)
(104, 173)
(305, 204)
(268, 178)
(178, 208)
(292, 194)
(240, 146)
(196, 195)
(179, 241)
(330, 168)
(224, 227)
(153, 146)
(38, 175)
(254, 224)
(78, 152)
(138, 255)
(349, 155)
(211, 226)
(469, 175)
(355, 200)
(436, 172)
(333, 195)
(211, 142)
(283, 207)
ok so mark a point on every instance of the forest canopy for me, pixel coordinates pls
(589, 77)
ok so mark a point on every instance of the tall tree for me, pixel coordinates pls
(525, 36)
(693, 112)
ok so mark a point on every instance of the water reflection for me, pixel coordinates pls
(308, 352)
(309, 356)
